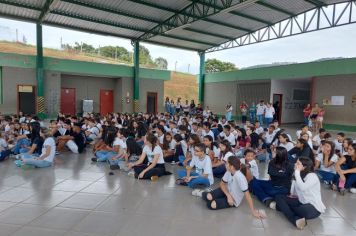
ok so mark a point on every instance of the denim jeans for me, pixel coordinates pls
(28, 156)
(37, 163)
(264, 190)
(181, 160)
(295, 210)
(4, 154)
(196, 181)
(21, 144)
(350, 179)
(252, 117)
(228, 116)
(104, 155)
(325, 176)
(260, 119)
(268, 121)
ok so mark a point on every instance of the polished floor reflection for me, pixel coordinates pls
(79, 198)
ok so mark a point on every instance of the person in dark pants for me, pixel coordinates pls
(280, 171)
(151, 163)
(305, 200)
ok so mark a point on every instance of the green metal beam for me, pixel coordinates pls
(201, 77)
(46, 9)
(168, 9)
(129, 27)
(134, 16)
(274, 8)
(239, 14)
(316, 3)
(136, 80)
(39, 72)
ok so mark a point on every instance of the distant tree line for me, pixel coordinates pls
(119, 53)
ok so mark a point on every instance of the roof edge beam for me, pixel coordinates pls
(316, 3)
(22, 5)
(275, 8)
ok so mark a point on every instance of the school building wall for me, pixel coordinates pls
(292, 108)
(218, 94)
(339, 85)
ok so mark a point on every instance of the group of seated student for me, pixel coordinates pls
(208, 149)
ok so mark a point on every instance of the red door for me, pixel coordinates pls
(106, 101)
(68, 101)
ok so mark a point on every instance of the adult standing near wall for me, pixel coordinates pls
(261, 108)
(228, 110)
(320, 118)
(269, 113)
(192, 107)
(178, 106)
(307, 111)
(252, 111)
(167, 105)
(173, 108)
(186, 108)
(276, 110)
(314, 115)
(243, 109)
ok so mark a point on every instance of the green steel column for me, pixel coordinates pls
(136, 79)
(1, 88)
(201, 77)
(39, 73)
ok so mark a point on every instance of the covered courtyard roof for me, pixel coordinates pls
(197, 25)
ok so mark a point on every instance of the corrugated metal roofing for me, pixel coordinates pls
(133, 18)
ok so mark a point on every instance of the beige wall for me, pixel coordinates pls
(342, 85)
(11, 77)
(88, 87)
(154, 86)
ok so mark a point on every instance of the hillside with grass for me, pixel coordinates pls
(181, 85)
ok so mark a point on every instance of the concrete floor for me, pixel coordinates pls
(79, 198)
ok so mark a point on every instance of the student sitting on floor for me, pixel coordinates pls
(48, 152)
(168, 146)
(36, 142)
(219, 164)
(151, 163)
(193, 140)
(203, 174)
(178, 151)
(4, 151)
(280, 171)
(233, 188)
(249, 160)
(346, 172)
(211, 150)
(110, 149)
(325, 162)
(305, 200)
(120, 142)
(301, 148)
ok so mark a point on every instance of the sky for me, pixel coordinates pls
(329, 43)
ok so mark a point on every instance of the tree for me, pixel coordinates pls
(215, 65)
(83, 47)
(161, 63)
(145, 56)
(119, 53)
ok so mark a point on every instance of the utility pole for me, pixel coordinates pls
(115, 53)
(17, 35)
(81, 47)
(188, 68)
(175, 66)
(61, 46)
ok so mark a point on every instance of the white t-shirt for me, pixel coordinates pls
(253, 167)
(259, 130)
(203, 134)
(160, 138)
(226, 156)
(308, 191)
(156, 151)
(94, 130)
(120, 142)
(269, 112)
(260, 109)
(203, 166)
(184, 145)
(331, 169)
(269, 137)
(49, 142)
(299, 132)
(338, 146)
(231, 138)
(237, 185)
(317, 140)
(3, 144)
(215, 150)
(288, 145)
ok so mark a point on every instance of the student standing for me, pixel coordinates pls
(305, 200)
(269, 113)
(228, 110)
(252, 111)
(306, 112)
(261, 108)
(243, 109)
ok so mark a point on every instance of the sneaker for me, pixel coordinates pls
(18, 163)
(342, 191)
(352, 190)
(301, 223)
(57, 153)
(268, 202)
(18, 157)
(326, 182)
(114, 167)
(173, 163)
(333, 187)
(131, 174)
(181, 182)
(94, 159)
(154, 178)
(198, 192)
(273, 205)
